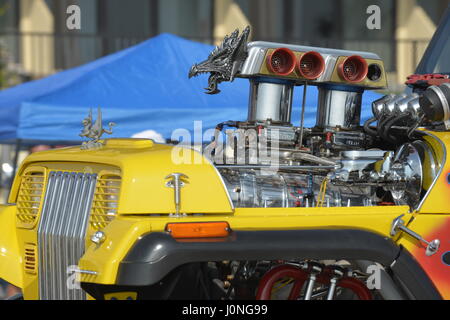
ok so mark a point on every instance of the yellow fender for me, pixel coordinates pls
(10, 257)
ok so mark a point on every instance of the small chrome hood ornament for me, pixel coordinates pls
(177, 181)
(94, 131)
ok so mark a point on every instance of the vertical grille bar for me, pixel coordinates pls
(62, 230)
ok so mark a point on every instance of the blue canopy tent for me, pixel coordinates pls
(143, 87)
(11, 99)
(147, 88)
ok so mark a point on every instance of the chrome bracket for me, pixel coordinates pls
(337, 273)
(90, 272)
(314, 269)
(398, 225)
(98, 237)
(447, 124)
(177, 181)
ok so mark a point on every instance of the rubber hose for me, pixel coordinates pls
(367, 129)
(381, 124)
(388, 125)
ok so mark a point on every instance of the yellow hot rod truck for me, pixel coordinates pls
(274, 210)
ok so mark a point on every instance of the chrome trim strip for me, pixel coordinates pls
(62, 232)
(87, 272)
(275, 168)
(321, 50)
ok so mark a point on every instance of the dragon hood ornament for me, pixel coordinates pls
(225, 61)
(94, 131)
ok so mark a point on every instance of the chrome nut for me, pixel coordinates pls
(98, 237)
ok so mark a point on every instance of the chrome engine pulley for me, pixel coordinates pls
(408, 169)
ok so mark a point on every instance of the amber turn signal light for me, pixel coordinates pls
(198, 229)
(281, 61)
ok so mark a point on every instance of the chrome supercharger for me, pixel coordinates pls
(339, 161)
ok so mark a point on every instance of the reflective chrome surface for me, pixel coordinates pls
(414, 106)
(98, 237)
(357, 162)
(443, 159)
(270, 101)
(443, 100)
(177, 180)
(411, 171)
(257, 51)
(389, 106)
(62, 232)
(259, 188)
(430, 163)
(378, 105)
(399, 225)
(338, 109)
(401, 105)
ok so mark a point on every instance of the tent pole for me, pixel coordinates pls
(16, 160)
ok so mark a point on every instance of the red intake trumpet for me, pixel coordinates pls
(353, 69)
(281, 61)
(311, 65)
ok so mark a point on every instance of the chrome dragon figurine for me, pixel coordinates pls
(94, 131)
(224, 62)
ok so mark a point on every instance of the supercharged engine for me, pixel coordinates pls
(271, 161)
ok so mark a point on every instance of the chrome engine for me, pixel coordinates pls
(267, 161)
(330, 167)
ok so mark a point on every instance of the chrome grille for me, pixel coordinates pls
(62, 232)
